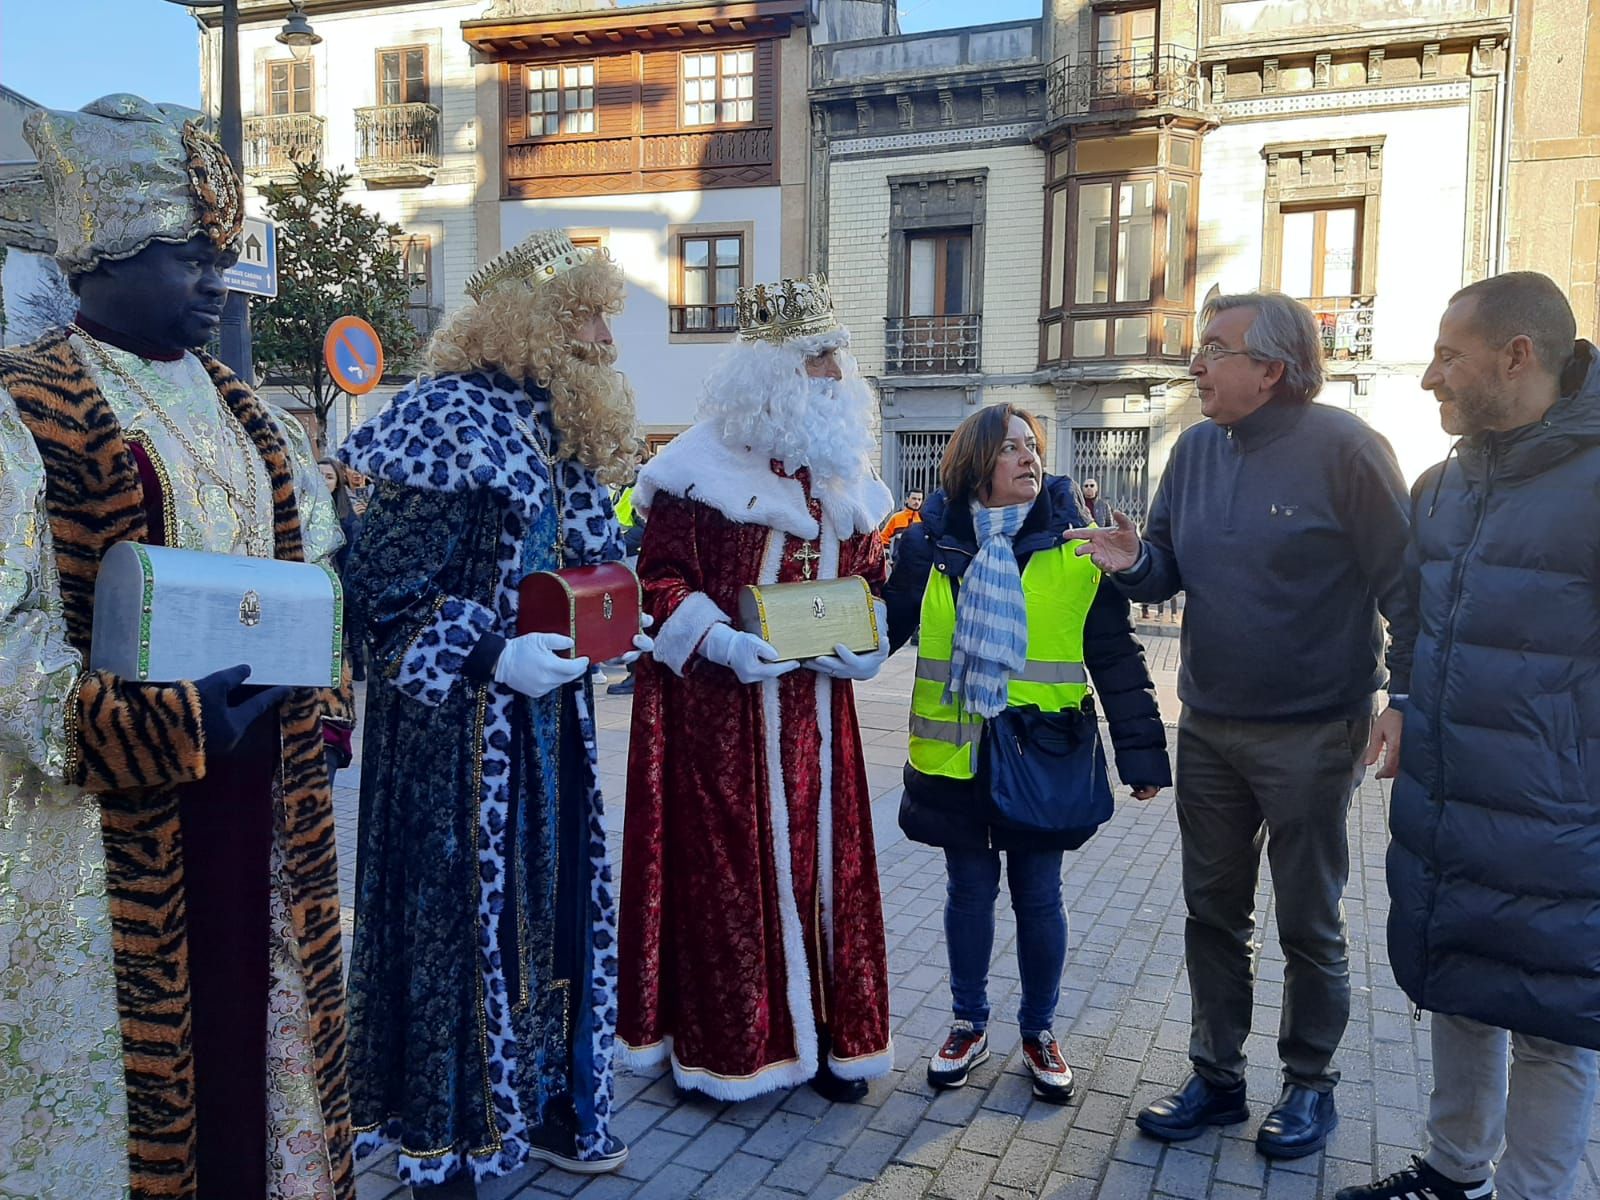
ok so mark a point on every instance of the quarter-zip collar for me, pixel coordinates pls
(1268, 423)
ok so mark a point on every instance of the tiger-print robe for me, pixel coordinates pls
(137, 742)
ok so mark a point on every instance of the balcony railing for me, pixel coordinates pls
(704, 318)
(273, 145)
(1346, 325)
(398, 143)
(945, 345)
(1082, 84)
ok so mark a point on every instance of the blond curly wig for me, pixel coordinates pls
(531, 334)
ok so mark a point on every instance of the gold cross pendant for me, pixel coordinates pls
(805, 556)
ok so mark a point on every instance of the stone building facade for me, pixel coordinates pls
(1099, 171)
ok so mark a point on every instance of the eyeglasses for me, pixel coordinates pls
(1212, 352)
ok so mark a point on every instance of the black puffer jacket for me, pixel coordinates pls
(1494, 867)
(947, 812)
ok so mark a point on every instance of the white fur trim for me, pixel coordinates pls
(867, 1066)
(796, 963)
(740, 484)
(681, 633)
(828, 568)
(772, 1078)
(639, 1059)
(599, 956)
(698, 465)
(778, 1076)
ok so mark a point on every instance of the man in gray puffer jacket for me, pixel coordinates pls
(1494, 867)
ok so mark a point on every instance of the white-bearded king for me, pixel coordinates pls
(752, 929)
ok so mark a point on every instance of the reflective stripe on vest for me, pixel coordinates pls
(1032, 672)
(1058, 588)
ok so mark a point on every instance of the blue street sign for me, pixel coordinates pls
(256, 272)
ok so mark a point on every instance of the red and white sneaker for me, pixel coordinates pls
(964, 1049)
(1052, 1078)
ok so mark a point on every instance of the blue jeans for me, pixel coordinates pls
(973, 886)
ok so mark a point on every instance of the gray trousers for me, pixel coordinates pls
(1289, 784)
(1539, 1109)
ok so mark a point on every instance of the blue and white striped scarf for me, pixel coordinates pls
(991, 638)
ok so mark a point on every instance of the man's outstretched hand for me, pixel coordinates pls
(1114, 548)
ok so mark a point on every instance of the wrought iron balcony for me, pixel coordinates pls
(1084, 84)
(1346, 325)
(398, 144)
(704, 318)
(945, 345)
(274, 145)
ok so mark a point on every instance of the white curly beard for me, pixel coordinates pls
(760, 398)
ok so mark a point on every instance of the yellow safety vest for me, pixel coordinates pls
(624, 507)
(1058, 588)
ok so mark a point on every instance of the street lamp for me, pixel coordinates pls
(298, 35)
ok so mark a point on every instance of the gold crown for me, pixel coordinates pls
(538, 259)
(778, 312)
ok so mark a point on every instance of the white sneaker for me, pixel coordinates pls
(1052, 1078)
(964, 1049)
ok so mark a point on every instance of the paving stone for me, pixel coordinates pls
(900, 1182)
(964, 1176)
(1025, 1165)
(654, 1150)
(1185, 1174)
(867, 1156)
(611, 1187)
(708, 1149)
(781, 1132)
(735, 1179)
(901, 1113)
(930, 1144)
(1069, 1187)
(990, 1132)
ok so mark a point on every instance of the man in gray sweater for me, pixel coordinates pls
(1285, 523)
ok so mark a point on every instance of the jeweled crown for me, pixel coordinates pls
(537, 259)
(779, 312)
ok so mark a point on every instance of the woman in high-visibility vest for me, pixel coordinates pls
(1009, 618)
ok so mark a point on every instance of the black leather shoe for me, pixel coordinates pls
(1193, 1108)
(841, 1091)
(1299, 1124)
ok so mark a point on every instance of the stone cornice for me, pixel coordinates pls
(1336, 41)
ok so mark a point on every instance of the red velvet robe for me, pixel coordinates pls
(750, 912)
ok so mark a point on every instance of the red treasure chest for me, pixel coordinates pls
(597, 607)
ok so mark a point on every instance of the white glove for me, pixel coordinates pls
(642, 643)
(747, 656)
(843, 664)
(529, 664)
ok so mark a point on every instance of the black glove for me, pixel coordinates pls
(227, 710)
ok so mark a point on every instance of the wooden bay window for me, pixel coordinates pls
(1119, 263)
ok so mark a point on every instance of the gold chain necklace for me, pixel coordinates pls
(553, 469)
(256, 544)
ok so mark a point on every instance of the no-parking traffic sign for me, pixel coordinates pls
(354, 355)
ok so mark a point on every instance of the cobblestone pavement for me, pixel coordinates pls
(1123, 1023)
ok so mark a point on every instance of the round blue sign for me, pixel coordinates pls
(354, 355)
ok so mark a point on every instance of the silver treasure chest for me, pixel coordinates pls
(162, 615)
